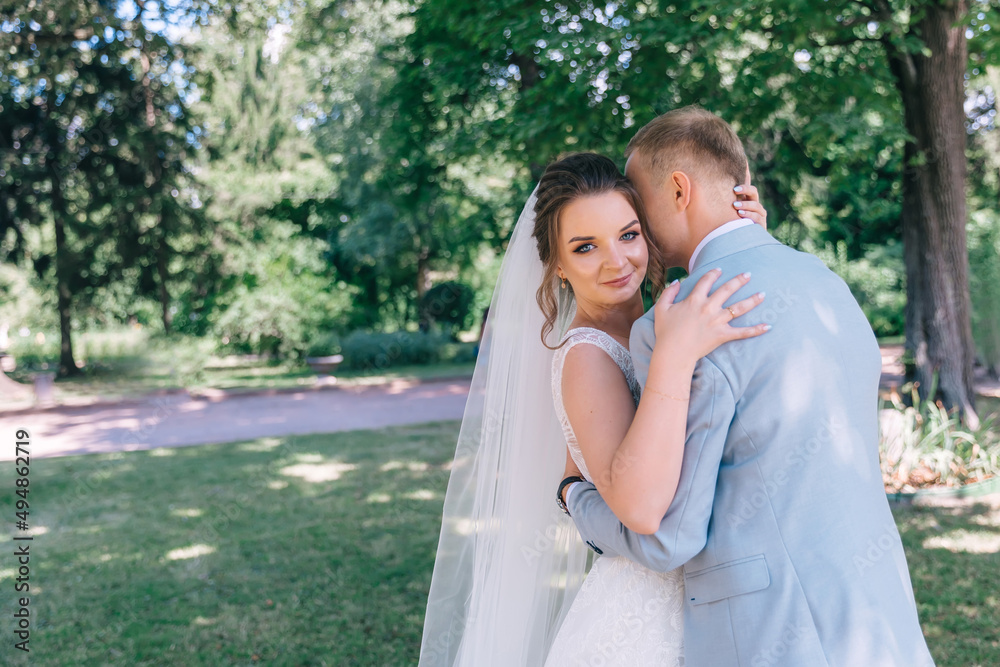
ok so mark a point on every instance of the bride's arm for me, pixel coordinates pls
(634, 461)
(683, 531)
(634, 455)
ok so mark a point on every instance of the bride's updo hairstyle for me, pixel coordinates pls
(564, 181)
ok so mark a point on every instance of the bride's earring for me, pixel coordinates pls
(564, 283)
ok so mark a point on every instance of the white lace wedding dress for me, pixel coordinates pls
(624, 614)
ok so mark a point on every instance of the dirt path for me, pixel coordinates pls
(178, 420)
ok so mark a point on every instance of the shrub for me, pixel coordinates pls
(449, 305)
(984, 283)
(23, 303)
(282, 319)
(324, 345)
(263, 321)
(459, 353)
(378, 351)
(924, 445)
(33, 354)
(118, 350)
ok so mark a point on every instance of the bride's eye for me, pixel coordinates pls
(585, 248)
(628, 236)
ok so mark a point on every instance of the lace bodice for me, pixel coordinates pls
(616, 351)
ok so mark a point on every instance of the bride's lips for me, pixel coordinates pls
(620, 282)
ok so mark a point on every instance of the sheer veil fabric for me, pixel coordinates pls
(509, 563)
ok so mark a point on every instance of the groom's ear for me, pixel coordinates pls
(679, 189)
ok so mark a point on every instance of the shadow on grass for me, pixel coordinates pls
(953, 553)
(318, 550)
(302, 550)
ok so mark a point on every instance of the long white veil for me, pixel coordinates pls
(509, 562)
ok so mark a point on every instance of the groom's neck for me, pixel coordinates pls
(701, 226)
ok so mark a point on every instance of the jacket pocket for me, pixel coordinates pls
(736, 577)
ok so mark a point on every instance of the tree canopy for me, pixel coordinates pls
(194, 159)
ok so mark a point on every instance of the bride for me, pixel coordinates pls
(510, 584)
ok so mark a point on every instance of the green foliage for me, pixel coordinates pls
(448, 304)
(922, 444)
(877, 280)
(411, 199)
(283, 299)
(984, 279)
(324, 345)
(117, 350)
(94, 137)
(337, 157)
(379, 351)
(34, 352)
(22, 303)
(278, 316)
(263, 321)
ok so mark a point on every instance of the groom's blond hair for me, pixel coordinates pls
(692, 140)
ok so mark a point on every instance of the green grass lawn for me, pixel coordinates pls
(318, 550)
(954, 558)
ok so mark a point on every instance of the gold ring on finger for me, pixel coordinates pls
(731, 312)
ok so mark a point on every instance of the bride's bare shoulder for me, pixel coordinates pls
(588, 368)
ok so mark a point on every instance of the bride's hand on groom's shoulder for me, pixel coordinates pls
(702, 322)
(748, 204)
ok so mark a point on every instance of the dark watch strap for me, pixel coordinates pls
(562, 485)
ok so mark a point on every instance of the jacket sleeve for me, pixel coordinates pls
(640, 344)
(683, 531)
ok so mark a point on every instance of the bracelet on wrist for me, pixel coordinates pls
(660, 393)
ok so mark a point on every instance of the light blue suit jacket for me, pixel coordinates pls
(781, 522)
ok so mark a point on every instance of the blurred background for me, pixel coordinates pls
(212, 212)
(304, 178)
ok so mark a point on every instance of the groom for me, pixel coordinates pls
(780, 521)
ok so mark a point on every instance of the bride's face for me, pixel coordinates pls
(602, 252)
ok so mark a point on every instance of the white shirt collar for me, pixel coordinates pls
(714, 234)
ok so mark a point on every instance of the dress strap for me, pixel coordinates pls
(618, 352)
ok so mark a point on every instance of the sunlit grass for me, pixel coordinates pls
(954, 557)
(261, 552)
(318, 550)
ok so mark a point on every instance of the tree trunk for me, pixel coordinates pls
(938, 326)
(67, 364)
(163, 274)
(423, 284)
